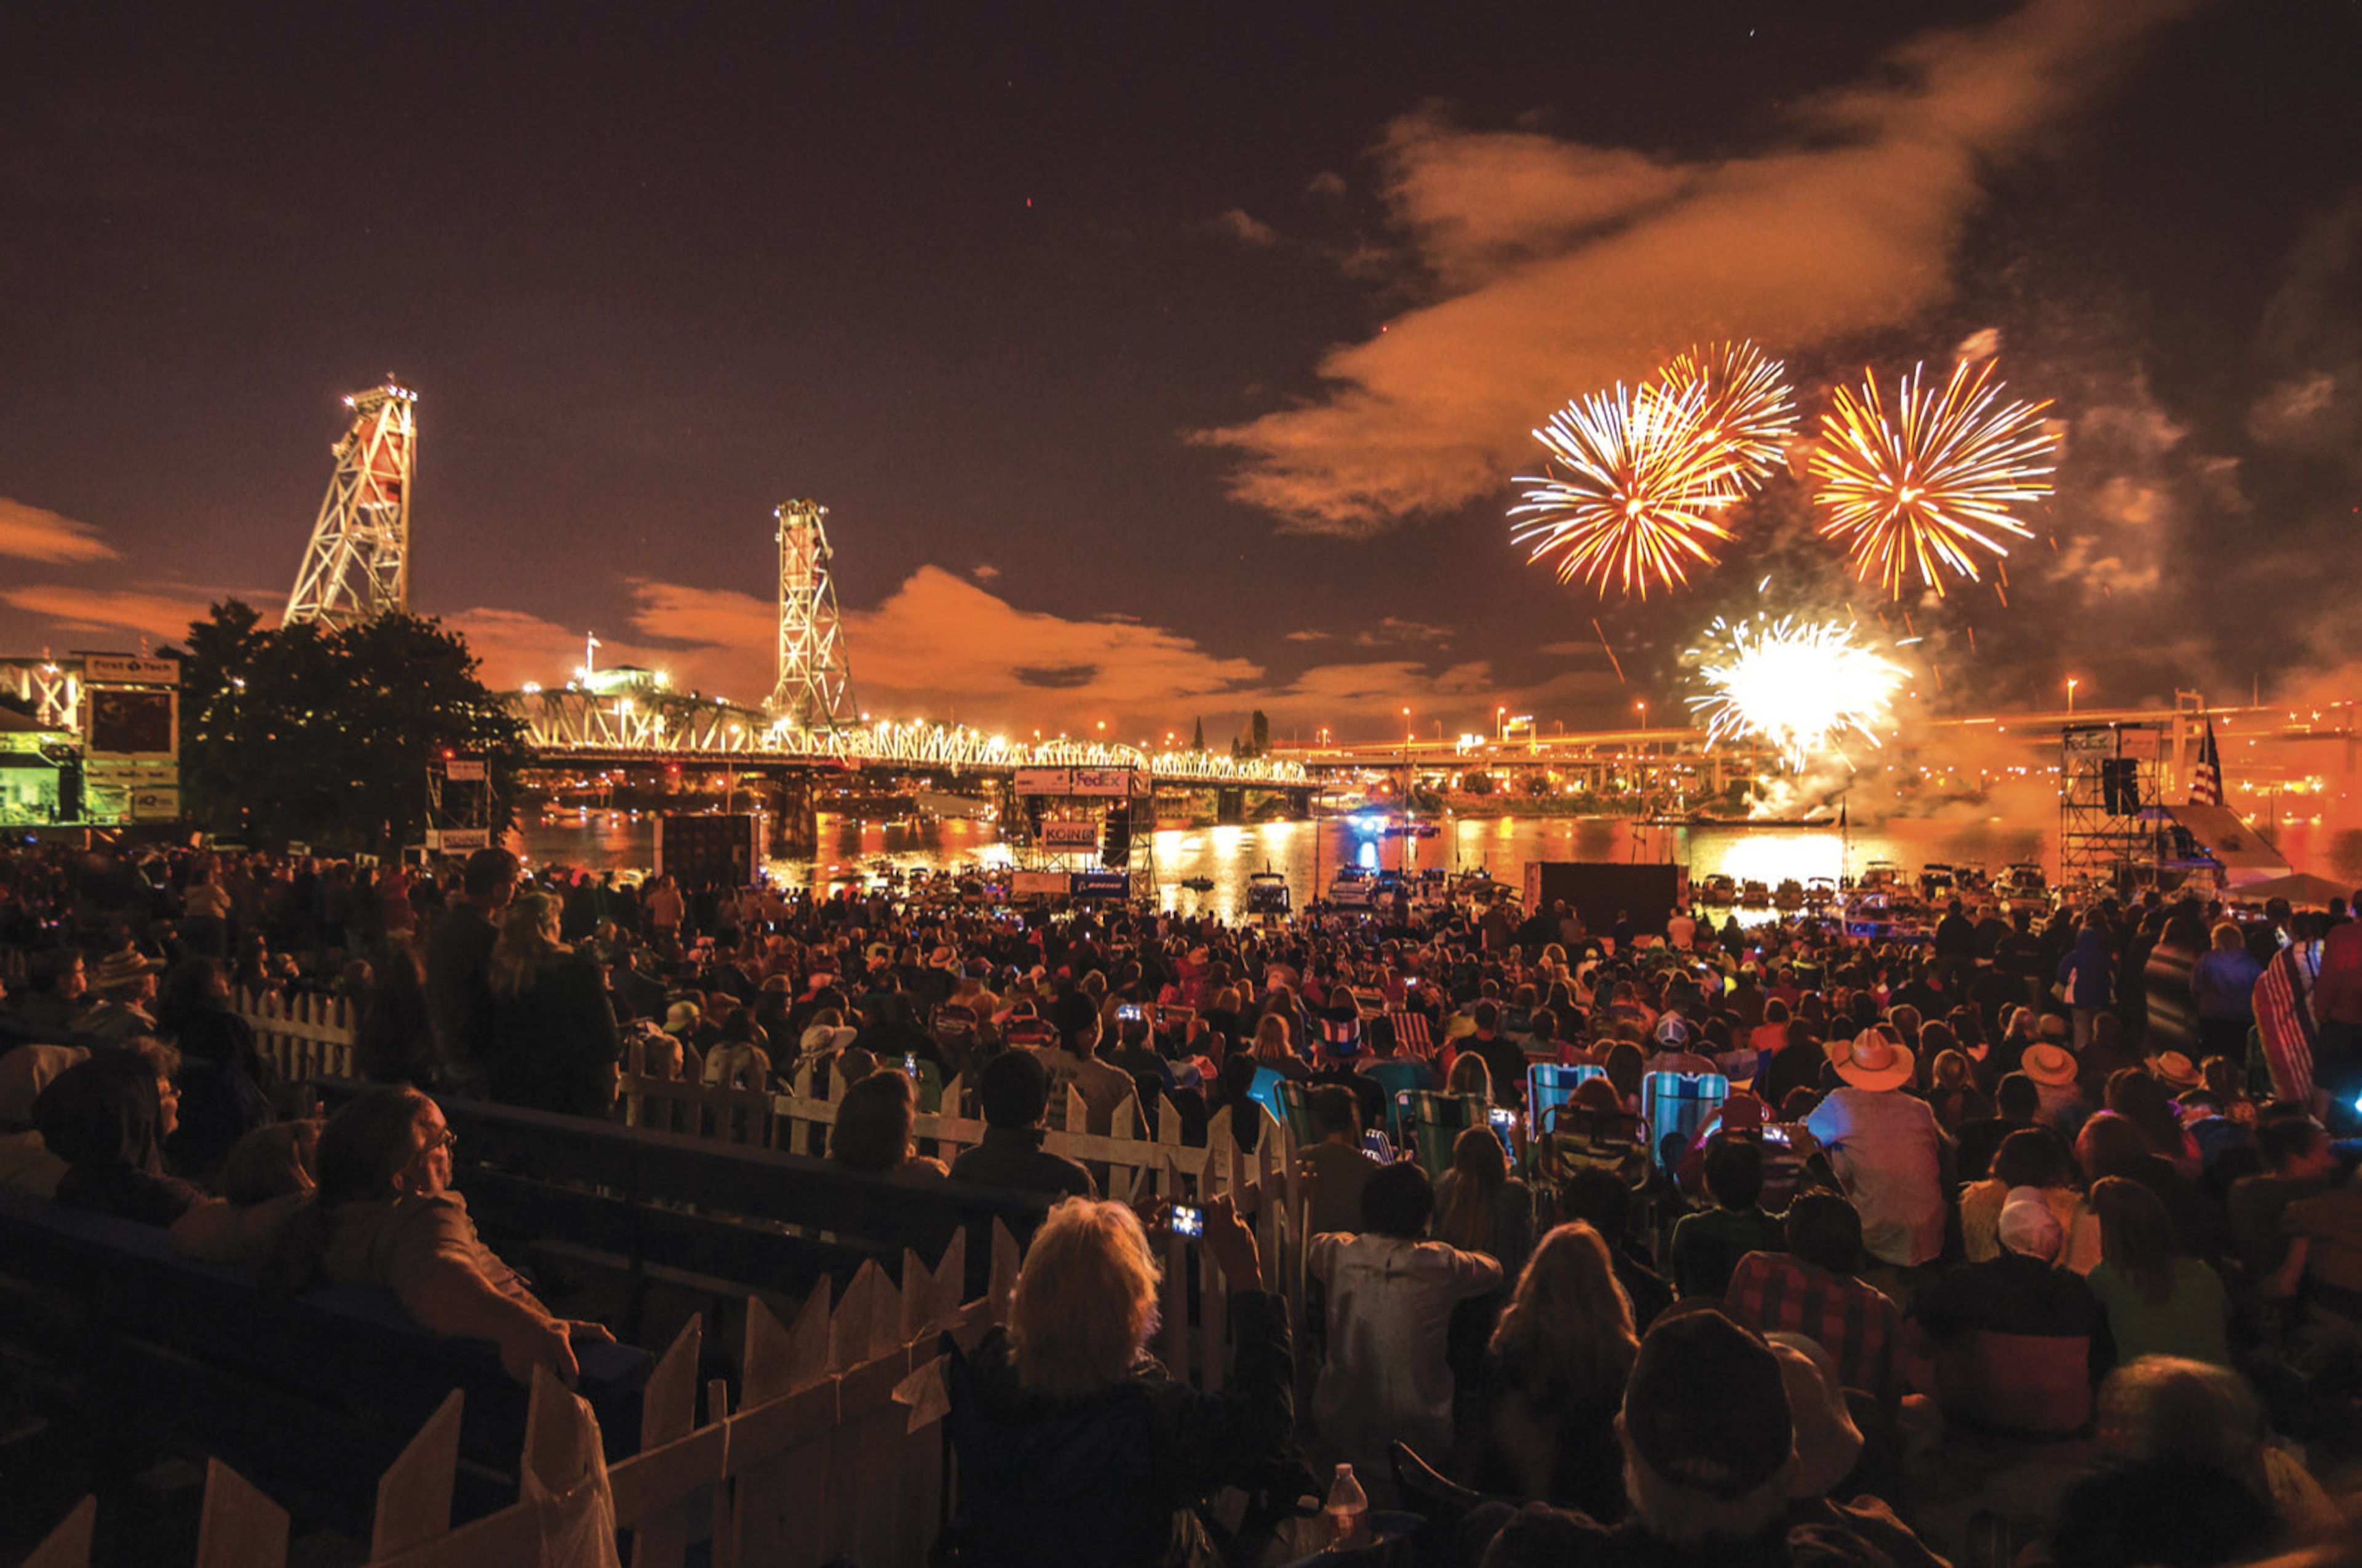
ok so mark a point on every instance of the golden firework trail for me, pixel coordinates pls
(1746, 409)
(1636, 494)
(1799, 688)
(1915, 493)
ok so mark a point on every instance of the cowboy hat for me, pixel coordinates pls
(1871, 1060)
(2047, 1064)
(2174, 1070)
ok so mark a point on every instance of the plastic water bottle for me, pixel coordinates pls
(1348, 1508)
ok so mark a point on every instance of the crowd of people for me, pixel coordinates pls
(2068, 1177)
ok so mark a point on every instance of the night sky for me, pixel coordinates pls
(1165, 362)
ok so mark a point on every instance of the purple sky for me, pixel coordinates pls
(1158, 369)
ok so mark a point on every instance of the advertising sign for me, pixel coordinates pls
(156, 805)
(1070, 836)
(1101, 885)
(1042, 782)
(464, 770)
(1101, 781)
(1037, 884)
(130, 671)
(452, 839)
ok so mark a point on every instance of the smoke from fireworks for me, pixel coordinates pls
(1914, 494)
(1745, 411)
(1637, 494)
(1798, 687)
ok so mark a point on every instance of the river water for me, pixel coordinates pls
(1307, 854)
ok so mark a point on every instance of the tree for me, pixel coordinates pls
(306, 731)
(1477, 783)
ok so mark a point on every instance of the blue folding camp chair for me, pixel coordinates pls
(1676, 1104)
(1548, 1085)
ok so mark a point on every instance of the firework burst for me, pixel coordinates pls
(1744, 408)
(1915, 493)
(1799, 688)
(1637, 494)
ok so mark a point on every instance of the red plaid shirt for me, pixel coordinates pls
(1778, 1292)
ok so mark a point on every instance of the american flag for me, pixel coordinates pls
(2206, 778)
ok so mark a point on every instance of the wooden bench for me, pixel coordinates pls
(315, 1392)
(755, 1216)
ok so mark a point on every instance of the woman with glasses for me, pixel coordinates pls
(384, 1214)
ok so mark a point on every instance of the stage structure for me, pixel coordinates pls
(1087, 834)
(815, 686)
(356, 567)
(2109, 785)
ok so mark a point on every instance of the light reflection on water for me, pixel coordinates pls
(1308, 857)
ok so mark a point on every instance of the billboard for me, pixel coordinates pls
(99, 670)
(1070, 836)
(1103, 781)
(1040, 781)
(1101, 885)
(130, 723)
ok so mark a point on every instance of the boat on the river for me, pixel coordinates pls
(1196, 884)
(1352, 888)
(1267, 894)
(1789, 894)
(1719, 889)
(1408, 829)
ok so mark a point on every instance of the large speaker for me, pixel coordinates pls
(703, 852)
(1115, 844)
(2120, 786)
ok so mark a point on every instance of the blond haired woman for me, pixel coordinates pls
(554, 1044)
(1075, 1446)
(1556, 1370)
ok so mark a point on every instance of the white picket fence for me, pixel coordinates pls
(834, 1449)
(314, 1035)
(304, 1036)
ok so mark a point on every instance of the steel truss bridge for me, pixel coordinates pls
(644, 726)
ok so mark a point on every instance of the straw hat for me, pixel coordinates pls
(2171, 1068)
(1871, 1060)
(2048, 1064)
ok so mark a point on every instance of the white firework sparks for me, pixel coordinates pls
(1799, 688)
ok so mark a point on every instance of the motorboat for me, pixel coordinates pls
(1789, 894)
(1820, 892)
(1719, 889)
(1267, 894)
(1196, 884)
(1352, 888)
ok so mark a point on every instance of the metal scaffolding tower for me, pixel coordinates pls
(357, 565)
(816, 688)
(2108, 803)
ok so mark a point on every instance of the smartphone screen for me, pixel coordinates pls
(1188, 1221)
(910, 1063)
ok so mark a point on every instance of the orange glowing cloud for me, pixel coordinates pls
(1559, 268)
(162, 613)
(35, 535)
(941, 647)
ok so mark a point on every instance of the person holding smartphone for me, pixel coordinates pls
(1053, 1415)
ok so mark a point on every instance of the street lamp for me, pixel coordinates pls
(2072, 681)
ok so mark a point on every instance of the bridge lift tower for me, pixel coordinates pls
(816, 688)
(357, 564)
